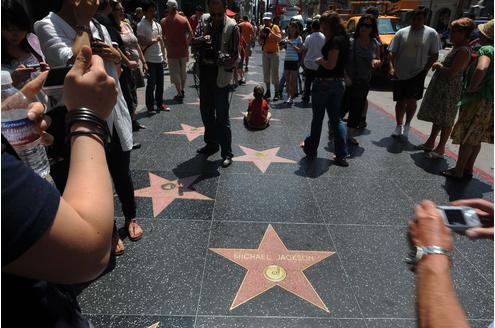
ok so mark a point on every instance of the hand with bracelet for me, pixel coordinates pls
(437, 303)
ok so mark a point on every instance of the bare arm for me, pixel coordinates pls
(461, 61)
(331, 62)
(76, 247)
(437, 303)
(479, 73)
(392, 62)
(429, 64)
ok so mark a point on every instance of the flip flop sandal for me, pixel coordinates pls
(450, 173)
(118, 245)
(424, 148)
(127, 225)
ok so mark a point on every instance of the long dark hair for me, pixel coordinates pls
(374, 28)
(14, 15)
(332, 20)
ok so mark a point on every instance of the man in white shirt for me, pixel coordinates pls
(149, 33)
(413, 51)
(312, 50)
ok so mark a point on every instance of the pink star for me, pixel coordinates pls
(262, 159)
(272, 264)
(163, 192)
(190, 132)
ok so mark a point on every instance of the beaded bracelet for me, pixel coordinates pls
(88, 116)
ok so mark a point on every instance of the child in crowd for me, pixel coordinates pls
(242, 55)
(257, 116)
(291, 63)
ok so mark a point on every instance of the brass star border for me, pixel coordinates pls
(272, 264)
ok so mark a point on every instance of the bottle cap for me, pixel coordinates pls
(6, 78)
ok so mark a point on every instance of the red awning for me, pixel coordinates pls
(230, 13)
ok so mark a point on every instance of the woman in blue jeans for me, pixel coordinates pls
(329, 88)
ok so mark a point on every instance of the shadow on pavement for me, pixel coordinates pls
(313, 167)
(395, 145)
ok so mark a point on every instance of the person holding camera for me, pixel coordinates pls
(217, 46)
(270, 36)
(50, 238)
(62, 34)
(437, 303)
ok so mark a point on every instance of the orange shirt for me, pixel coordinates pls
(247, 31)
(271, 43)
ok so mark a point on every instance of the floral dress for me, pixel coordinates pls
(440, 102)
(475, 123)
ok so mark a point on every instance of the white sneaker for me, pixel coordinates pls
(405, 131)
(397, 132)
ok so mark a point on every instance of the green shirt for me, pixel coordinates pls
(486, 88)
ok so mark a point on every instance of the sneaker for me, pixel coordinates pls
(163, 107)
(289, 101)
(405, 132)
(227, 161)
(397, 132)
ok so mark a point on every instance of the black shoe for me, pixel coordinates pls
(362, 125)
(245, 69)
(208, 150)
(227, 161)
(340, 161)
(241, 82)
(151, 111)
(136, 145)
(267, 95)
(136, 126)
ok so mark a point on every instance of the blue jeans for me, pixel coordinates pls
(155, 81)
(214, 107)
(327, 95)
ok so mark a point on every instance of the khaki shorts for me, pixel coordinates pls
(270, 68)
(177, 69)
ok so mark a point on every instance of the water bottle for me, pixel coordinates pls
(18, 129)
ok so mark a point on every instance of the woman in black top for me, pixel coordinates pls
(329, 88)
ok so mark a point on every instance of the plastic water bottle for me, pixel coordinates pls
(18, 129)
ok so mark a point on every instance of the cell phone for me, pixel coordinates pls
(34, 66)
(56, 76)
(459, 218)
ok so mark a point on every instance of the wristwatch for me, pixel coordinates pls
(427, 250)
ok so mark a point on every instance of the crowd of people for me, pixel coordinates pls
(66, 232)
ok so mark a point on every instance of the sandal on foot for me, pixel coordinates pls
(424, 147)
(117, 245)
(450, 173)
(132, 226)
(434, 155)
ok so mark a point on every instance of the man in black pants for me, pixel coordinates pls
(217, 43)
